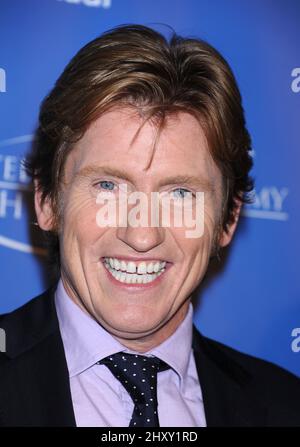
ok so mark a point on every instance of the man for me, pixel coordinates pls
(112, 343)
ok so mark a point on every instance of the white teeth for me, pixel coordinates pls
(156, 266)
(123, 266)
(142, 267)
(132, 278)
(134, 273)
(131, 267)
(150, 268)
(129, 278)
(122, 277)
(150, 278)
(139, 279)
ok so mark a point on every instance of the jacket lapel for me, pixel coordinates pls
(35, 388)
(226, 387)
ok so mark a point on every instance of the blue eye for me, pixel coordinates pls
(184, 191)
(107, 185)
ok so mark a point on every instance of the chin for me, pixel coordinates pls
(131, 327)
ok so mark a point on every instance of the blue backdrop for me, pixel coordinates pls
(253, 303)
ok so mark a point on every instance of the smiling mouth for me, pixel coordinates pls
(131, 273)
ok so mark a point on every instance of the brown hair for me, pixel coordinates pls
(136, 65)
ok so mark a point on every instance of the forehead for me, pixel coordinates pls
(119, 139)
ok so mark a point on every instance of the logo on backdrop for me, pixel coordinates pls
(269, 203)
(2, 80)
(14, 190)
(295, 345)
(295, 85)
(92, 3)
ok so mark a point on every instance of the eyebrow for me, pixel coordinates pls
(88, 171)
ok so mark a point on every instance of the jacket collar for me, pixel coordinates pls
(226, 387)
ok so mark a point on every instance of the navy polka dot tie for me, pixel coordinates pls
(138, 375)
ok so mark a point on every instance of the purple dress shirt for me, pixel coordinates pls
(99, 399)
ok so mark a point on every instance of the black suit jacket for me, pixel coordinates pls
(238, 390)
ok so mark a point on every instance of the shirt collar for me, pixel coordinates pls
(86, 341)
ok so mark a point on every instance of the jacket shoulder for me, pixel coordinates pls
(276, 386)
(32, 321)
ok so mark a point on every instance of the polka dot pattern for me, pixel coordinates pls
(138, 375)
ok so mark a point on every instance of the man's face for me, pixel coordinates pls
(143, 314)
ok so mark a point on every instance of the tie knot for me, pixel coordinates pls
(134, 362)
(138, 374)
(123, 359)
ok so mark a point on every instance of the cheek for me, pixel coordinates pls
(79, 219)
(206, 223)
(197, 251)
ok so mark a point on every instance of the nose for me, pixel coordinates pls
(141, 239)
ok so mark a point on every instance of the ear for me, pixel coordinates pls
(44, 212)
(226, 236)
